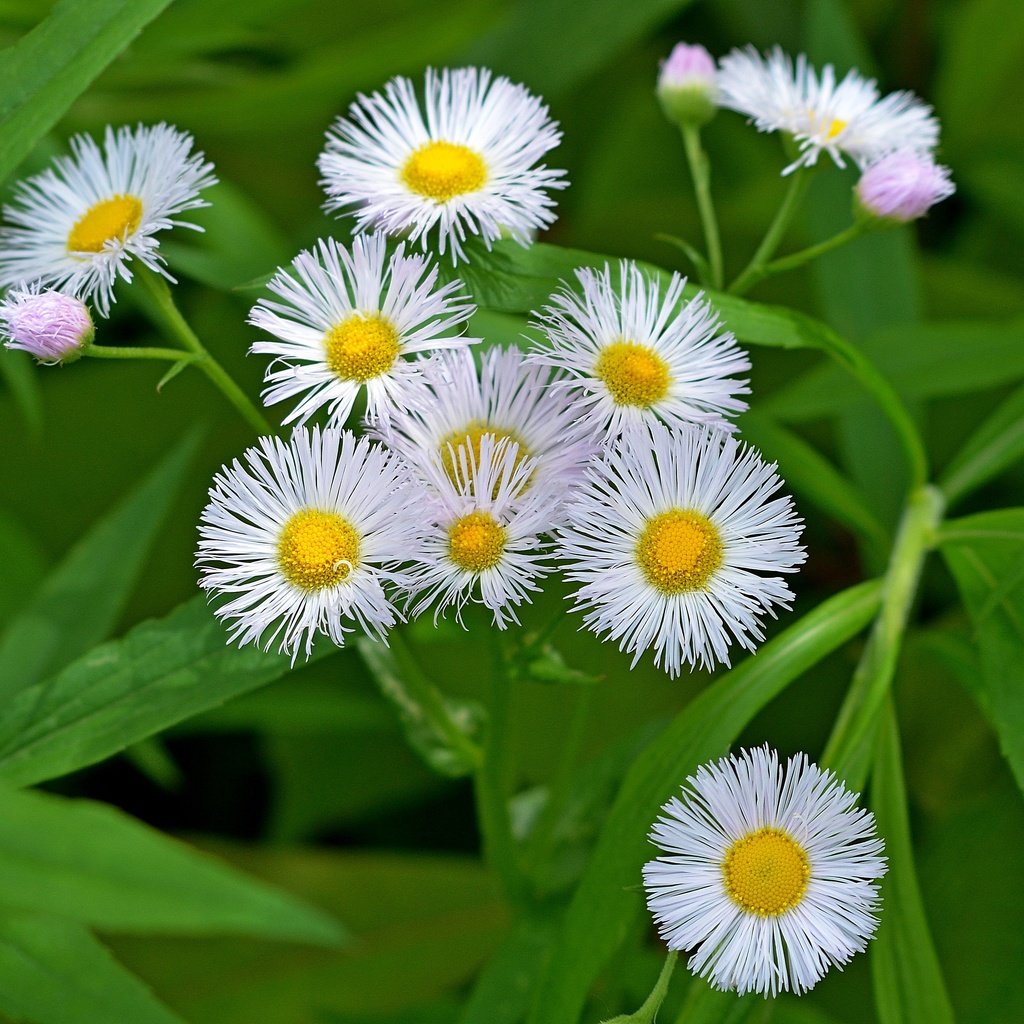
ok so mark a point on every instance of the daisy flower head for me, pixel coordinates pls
(633, 354)
(672, 538)
(79, 225)
(766, 873)
(52, 326)
(462, 163)
(486, 539)
(823, 115)
(302, 537)
(506, 397)
(344, 320)
(902, 186)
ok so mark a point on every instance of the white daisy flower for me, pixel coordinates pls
(768, 875)
(485, 542)
(634, 355)
(669, 535)
(463, 164)
(351, 319)
(78, 226)
(820, 113)
(304, 536)
(505, 397)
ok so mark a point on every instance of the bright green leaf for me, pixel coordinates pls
(91, 863)
(82, 598)
(606, 901)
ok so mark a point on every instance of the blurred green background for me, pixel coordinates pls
(310, 782)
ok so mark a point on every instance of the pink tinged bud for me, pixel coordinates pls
(53, 327)
(686, 86)
(903, 186)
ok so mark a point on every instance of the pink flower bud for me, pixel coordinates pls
(686, 86)
(54, 327)
(902, 186)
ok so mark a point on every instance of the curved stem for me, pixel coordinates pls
(176, 326)
(783, 218)
(700, 170)
(652, 1004)
(174, 355)
(845, 752)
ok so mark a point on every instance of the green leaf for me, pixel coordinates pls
(53, 971)
(706, 1005)
(81, 600)
(985, 554)
(607, 900)
(995, 446)
(160, 673)
(907, 980)
(91, 863)
(17, 371)
(48, 69)
(24, 565)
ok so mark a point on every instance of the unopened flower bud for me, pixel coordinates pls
(686, 86)
(901, 187)
(52, 326)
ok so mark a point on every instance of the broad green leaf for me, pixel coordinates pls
(985, 553)
(441, 730)
(52, 971)
(607, 900)
(553, 47)
(157, 675)
(907, 979)
(20, 376)
(995, 446)
(81, 600)
(91, 863)
(48, 69)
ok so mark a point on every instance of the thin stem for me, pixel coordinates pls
(700, 170)
(652, 1004)
(873, 676)
(176, 326)
(174, 355)
(493, 782)
(773, 236)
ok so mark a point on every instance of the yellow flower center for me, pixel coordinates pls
(317, 549)
(476, 541)
(766, 872)
(444, 170)
(679, 551)
(361, 347)
(836, 127)
(634, 374)
(468, 440)
(116, 217)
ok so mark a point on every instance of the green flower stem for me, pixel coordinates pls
(783, 218)
(652, 1004)
(176, 326)
(174, 355)
(493, 783)
(812, 252)
(873, 676)
(700, 170)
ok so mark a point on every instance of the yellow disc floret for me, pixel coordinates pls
(836, 127)
(113, 218)
(476, 541)
(444, 170)
(766, 872)
(468, 439)
(361, 347)
(679, 551)
(317, 549)
(634, 374)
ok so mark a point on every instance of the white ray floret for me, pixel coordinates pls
(766, 873)
(676, 540)
(487, 539)
(304, 536)
(462, 164)
(819, 112)
(352, 319)
(505, 396)
(79, 225)
(635, 353)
